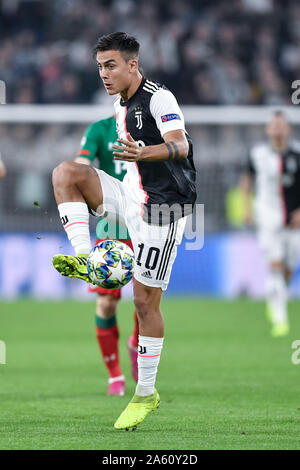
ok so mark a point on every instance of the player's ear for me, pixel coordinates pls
(133, 65)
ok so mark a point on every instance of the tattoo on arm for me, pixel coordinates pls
(173, 151)
(176, 151)
(169, 147)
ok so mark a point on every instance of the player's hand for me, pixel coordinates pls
(295, 219)
(129, 151)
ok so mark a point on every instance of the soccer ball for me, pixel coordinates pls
(110, 264)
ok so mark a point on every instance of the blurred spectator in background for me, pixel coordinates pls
(239, 52)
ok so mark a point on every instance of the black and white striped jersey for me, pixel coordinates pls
(277, 183)
(148, 115)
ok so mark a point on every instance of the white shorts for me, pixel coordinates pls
(280, 245)
(155, 247)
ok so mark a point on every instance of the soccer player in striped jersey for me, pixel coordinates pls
(96, 144)
(153, 201)
(274, 168)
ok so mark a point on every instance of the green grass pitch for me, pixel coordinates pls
(224, 382)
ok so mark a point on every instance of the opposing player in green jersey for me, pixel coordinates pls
(97, 144)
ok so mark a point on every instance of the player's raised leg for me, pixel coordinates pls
(151, 331)
(77, 188)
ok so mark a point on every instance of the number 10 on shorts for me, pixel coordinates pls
(151, 257)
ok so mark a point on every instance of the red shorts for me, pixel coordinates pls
(100, 290)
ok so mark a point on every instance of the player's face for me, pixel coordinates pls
(115, 71)
(278, 131)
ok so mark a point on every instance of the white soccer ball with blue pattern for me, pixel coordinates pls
(111, 264)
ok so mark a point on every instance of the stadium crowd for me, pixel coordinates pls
(238, 52)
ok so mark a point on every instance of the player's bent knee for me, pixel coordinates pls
(61, 173)
(66, 173)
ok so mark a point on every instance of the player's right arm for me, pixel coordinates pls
(89, 146)
(246, 185)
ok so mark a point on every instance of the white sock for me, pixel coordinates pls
(148, 359)
(277, 296)
(75, 220)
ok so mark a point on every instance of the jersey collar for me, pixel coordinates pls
(126, 103)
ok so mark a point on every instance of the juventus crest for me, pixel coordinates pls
(138, 117)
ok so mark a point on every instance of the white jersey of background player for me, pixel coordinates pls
(274, 168)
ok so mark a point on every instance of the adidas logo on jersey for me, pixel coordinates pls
(147, 274)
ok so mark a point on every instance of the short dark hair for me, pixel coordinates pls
(123, 42)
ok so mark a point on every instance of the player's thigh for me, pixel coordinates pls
(70, 176)
(272, 245)
(155, 250)
(114, 199)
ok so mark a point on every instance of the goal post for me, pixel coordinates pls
(207, 115)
